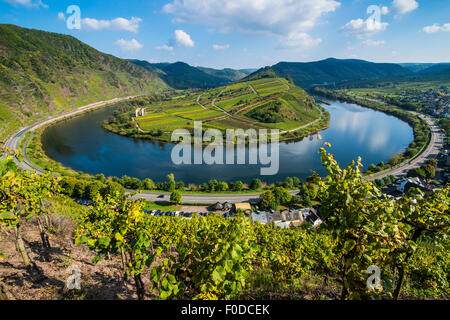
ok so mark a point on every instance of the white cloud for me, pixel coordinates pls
(129, 45)
(437, 28)
(384, 10)
(362, 27)
(165, 48)
(405, 6)
(61, 16)
(300, 40)
(118, 24)
(221, 47)
(181, 38)
(285, 19)
(27, 3)
(373, 43)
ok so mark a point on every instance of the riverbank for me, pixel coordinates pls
(52, 165)
(419, 123)
(295, 134)
(15, 141)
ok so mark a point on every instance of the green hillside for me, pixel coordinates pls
(43, 73)
(306, 74)
(269, 103)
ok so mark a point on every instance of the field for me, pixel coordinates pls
(239, 105)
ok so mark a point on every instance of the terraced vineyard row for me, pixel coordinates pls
(270, 103)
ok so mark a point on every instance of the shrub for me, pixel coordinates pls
(176, 197)
(93, 189)
(68, 186)
(112, 189)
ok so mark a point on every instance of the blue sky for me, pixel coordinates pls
(249, 33)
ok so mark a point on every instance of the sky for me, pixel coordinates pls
(246, 33)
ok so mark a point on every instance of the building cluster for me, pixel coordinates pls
(402, 186)
(435, 102)
(287, 218)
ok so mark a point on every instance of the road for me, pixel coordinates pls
(431, 151)
(13, 141)
(202, 198)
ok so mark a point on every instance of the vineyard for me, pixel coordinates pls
(235, 106)
(217, 258)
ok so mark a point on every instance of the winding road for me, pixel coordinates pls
(14, 140)
(432, 150)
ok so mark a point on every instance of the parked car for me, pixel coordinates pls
(85, 203)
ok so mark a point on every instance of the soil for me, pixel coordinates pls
(101, 281)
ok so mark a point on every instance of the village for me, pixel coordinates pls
(435, 102)
(286, 218)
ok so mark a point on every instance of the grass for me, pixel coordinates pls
(162, 205)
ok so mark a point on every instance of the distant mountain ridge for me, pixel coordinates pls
(307, 74)
(426, 67)
(180, 75)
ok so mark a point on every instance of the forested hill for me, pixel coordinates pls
(306, 74)
(42, 73)
(180, 75)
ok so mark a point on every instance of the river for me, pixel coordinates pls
(81, 144)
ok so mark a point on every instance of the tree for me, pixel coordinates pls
(296, 200)
(238, 186)
(79, 190)
(416, 172)
(267, 200)
(130, 183)
(113, 189)
(148, 184)
(307, 201)
(429, 170)
(223, 186)
(68, 186)
(176, 197)
(282, 196)
(297, 182)
(256, 184)
(100, 177)
(179, 185)
(171, 185)
(92, 189)
(289, 183)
